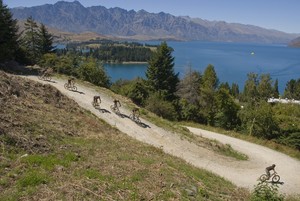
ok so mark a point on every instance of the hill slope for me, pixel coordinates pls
(51, 149)
(242, 173)
(142, 25)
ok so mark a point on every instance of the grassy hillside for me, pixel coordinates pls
(53, 150)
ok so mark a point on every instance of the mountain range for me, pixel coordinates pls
(142, 25)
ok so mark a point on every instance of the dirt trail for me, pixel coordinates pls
(242, 173)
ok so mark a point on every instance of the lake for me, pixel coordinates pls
(232, 61)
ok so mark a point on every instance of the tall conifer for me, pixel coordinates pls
(8, 34)
(160, 73)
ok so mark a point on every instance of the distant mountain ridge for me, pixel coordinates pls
(142, 25)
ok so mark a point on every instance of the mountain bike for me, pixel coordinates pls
(70, 87)
(95, 105)
(44, 76)
(135, 118)
(274, 177)
(115, 109)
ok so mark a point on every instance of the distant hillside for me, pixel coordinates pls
(295, 42)
(142, 25)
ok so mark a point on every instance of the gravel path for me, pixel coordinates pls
(241, 173)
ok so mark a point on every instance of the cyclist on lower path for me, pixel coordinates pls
(268, 169)
(96, 99)
(116, 103)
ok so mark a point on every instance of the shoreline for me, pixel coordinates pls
(128, 62)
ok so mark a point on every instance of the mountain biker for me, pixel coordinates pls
(71, 81)
(116, 103)
(268, 169)
(135, 113)
(48, 72)
(96, 98)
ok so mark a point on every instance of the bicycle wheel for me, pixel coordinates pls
(276, 178)
(48, 78)
(74, 88)
(137, 120)
(112, 108)
(66, 86)
(263, 177)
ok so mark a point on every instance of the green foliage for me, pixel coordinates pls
(33, 178)
(135, 89)
(227, 110)
(30, 38)
(156, 104)
(93, 72)
(265, 191)
(259, 120)
(250, 93)
(8, 34)
(292, 89)
(160, 72)
(207, 102)
(112, 51)
(36, 41)
(188, 88)
(264, 87)
(45, 40)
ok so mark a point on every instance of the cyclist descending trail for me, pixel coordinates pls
(241, 173)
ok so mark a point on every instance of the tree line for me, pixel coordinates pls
(198, 97)
(113, 52)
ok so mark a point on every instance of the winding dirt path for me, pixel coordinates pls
(241, 173)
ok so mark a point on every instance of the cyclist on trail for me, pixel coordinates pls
(116, 103)
(96, 98)
(268, 169)
(48, 72)
(71, 82)
(135, 113)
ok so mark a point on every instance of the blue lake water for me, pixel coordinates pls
(232, 61)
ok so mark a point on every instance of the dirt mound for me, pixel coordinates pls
(24, 104)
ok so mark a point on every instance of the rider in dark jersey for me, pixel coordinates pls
(96, 98)
(268, 169)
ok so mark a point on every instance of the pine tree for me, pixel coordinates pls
(8, 34)
(208, 94)
(30, 40)
(160, 73)
(45, 40)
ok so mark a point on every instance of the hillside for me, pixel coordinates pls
(142, 25)
(51, 149)
(295, 42)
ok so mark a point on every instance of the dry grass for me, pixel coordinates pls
(53, 150)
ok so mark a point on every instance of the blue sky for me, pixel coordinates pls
(282, 15)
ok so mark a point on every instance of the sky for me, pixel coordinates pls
(281, 15)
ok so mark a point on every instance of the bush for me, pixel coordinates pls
(160, 107)
(265, 191)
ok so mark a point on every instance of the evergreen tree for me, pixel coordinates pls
(292, 89)
(8, 34)
(275, 89)
(235, 92)
(264, 87)
(250, 93)
(189, 86)
(160, 73)
(30, 40)
(45, 40)
(207, 92)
